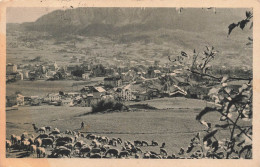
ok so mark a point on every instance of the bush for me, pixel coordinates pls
(110, 105)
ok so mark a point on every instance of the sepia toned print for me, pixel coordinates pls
(134, 83)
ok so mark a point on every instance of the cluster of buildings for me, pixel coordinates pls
(125, 83)
(112, 88)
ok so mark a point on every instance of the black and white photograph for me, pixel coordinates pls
(129, 82)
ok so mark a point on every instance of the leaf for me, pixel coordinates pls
(251, 26)
(209, 135)
(229, 115)
(240, 98)
(228, 90)
(248, 14)
(204, 111)
(223, 118)
(243, 23)
(184, 54)
(246, 119)
(208, 125)
(229, 98)
(224, 79)
(241, 143)
(232, 108)
(249, 43)
(247, 147)
(209, 142)
(250, 39)
(222, 126)
(190, 148)
(224, 84)
(215, 145)
(207, 48)
(205, 53)
(181, 152)
(231, 27)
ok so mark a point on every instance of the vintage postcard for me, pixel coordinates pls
(131, 83)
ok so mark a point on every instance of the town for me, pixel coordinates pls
(130, 82)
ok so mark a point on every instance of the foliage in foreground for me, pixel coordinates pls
(234, 107)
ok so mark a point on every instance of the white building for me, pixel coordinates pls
(52, 97)
(125, 93)
(85, 76)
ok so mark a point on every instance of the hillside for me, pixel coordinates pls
(152, 27)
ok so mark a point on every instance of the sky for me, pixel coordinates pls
(26, 14)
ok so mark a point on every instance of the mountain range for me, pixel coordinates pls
(191, 28)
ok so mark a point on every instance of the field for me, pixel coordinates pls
(174, 103)
(41, 88)
(175, 127)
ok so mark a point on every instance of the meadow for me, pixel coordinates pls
(175, 127)
(41, 87)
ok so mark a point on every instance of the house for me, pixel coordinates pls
(25, 74)
(20, 100)
(153, 93)
(19, 76)
(32, 100)
(140, 79)
(197, 92)
(52, 97)
(128, 76)
(35, 100)
(142, 96)
(113, 81)
(174, 91)
(89, 100)
(178, 72)
(67, 102)
(15, 100)
(11, 68)
(53, 67)
(96, 91)
(124, 93)
(73, 94)
(85, 76)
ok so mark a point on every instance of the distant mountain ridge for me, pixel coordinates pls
(99, 21)
(147, 27)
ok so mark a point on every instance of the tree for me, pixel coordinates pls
(234, 107)
(77, 72)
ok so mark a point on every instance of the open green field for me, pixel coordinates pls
(175, 127)
(174, 103)
(42, 88)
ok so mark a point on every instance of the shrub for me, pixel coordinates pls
(108, 105)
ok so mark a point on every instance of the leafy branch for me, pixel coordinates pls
(242, 23)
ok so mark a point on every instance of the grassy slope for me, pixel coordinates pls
(42, 88)
(174, 127)
(232, 50)
(175, 103)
